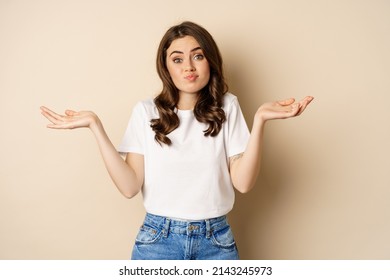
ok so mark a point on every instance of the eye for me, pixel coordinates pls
(177, 60)
(198, 57)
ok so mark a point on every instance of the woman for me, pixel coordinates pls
(185, 150)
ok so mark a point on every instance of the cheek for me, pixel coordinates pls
(174, 77)
(172, 72)
(206, 70)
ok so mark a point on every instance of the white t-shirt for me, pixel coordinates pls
(189, 179)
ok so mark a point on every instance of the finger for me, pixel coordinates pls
(47, 110)
(60, 126)
(51, 118)
(304, 103)
(53, 126)
(292, 111)
(70, 112)
(307, 99)
(51, 113)
(286, 102)
(295, 108)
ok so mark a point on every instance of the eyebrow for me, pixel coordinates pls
(194, 49)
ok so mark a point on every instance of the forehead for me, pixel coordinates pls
(186, 43)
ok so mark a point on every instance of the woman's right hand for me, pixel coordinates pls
(71, 119)
(128, 176)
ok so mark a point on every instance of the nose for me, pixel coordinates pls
(189, 66)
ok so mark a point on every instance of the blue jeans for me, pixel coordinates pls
(163, 238)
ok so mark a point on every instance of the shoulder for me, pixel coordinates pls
(229, 97)
(146, 108)
(230, 101)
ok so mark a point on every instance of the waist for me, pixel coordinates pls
(188, 227)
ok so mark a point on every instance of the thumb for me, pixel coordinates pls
(70, 112)
(286, 102)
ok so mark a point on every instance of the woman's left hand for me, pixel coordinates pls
(282, 109)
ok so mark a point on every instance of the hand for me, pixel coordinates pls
(70, 120)
(282, 109)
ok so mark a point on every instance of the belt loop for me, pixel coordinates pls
(208, 229)
(166, 227)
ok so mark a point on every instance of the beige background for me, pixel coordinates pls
(324, 188)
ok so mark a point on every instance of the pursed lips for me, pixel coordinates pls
(191, 77)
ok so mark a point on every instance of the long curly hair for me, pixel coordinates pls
(208, 108)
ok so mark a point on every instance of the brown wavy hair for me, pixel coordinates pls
(208, 108)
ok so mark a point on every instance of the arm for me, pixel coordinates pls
(244, 168)
(127, 175)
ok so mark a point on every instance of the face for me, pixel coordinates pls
(187, 65)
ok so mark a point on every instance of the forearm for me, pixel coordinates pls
(245, 170)
(122, 174)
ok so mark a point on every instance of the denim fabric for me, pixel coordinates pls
(162, 238)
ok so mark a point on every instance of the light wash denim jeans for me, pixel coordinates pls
(162, 238)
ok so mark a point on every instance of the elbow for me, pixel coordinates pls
(244, 189)
(243, 185)
(129, 192)
(129, 195)
(243, 181)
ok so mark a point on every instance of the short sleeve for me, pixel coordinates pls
(238, 133)
(134, 138)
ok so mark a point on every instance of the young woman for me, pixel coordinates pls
(185, 150)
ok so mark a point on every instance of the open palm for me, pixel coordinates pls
(282, 109)
(70, 120)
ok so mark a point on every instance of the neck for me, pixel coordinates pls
(187, 101)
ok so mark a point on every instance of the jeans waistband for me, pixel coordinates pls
(198, 227)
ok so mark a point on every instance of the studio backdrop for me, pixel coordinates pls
(324, 187)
